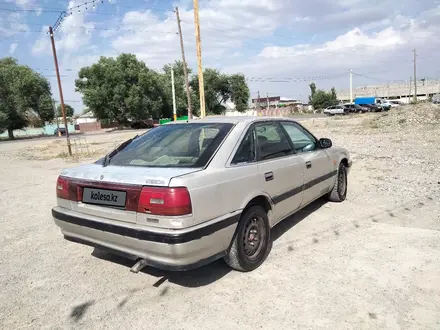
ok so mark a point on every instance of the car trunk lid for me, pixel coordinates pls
(113, 192)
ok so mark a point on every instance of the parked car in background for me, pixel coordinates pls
(62, 131)
(371, 107)
(187, 193)
(354, 108)
(142, 124)
(336, 110)
(384, 104)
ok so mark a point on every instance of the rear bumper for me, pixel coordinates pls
(167, 249)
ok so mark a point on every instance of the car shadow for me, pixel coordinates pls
(198, 277)
(296, 218)
(210, 273)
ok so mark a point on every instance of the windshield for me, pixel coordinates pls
(173, 145)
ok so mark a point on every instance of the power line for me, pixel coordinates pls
(293, 79)
(30, 5)
(361, 75)
(30, 10)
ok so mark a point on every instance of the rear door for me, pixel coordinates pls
(318, 165)
(281, 171)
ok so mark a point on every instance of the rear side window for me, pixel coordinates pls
(174, 145)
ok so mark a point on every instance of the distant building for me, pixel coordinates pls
(87, 122)
(88, 117)
(274, 101)
(403, 91)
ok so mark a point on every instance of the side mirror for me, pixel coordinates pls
(325, 143)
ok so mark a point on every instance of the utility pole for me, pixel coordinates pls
(69, 148)
(199, 59)
(351, 86)
(258, 101)
(409, 94)
(267, 99)
(174, 95)
(415, 77)
(185, 66)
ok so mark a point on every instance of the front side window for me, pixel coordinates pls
(302, 140)
(272, 142)
(174, 145)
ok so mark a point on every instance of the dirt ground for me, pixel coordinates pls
(372, 262)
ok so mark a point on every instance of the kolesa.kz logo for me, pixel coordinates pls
(97, 196)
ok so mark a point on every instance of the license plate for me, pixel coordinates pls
(104, 197)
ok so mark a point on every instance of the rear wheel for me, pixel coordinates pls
(339, 191)
(251, 243)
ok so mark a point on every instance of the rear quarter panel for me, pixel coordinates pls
(220, 192)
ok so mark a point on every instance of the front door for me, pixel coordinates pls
(319, 174)
(281, 171)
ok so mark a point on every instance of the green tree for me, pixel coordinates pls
(122, 89)
(239, 92)
(22, 92)
(68, 108)
(334, 96)
(312, 91)
(45, 108)
(320, 99)
(220, 88)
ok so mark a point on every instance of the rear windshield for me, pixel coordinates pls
(174, 145)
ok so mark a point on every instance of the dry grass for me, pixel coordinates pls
(82, 149)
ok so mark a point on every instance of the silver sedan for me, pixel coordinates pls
(185, 194)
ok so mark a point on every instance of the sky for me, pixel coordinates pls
(280, 45)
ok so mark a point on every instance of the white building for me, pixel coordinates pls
(88, 117)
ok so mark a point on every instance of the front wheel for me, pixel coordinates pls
(251, 243)
(339, 191)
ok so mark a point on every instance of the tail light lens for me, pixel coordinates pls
(63, 188)
(165, 201)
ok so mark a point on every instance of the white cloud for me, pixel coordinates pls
(12, 24)
(22, 3)
(42, 44)
(12, 48)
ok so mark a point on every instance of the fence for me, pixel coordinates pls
(89, 127)
(29, 132)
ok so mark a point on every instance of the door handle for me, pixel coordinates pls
(268, 176)
(308, 164)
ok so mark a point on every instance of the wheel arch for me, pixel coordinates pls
(263, 200)
(344, 161)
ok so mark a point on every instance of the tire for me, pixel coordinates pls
(339, 191)
(243, 255)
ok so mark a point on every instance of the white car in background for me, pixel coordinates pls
(336, 110)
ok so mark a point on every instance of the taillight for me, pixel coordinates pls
(165, 201)
(63, 188)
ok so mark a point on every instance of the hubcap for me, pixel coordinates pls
(254, 237)
(342, 182)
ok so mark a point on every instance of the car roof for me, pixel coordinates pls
(231, 119)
